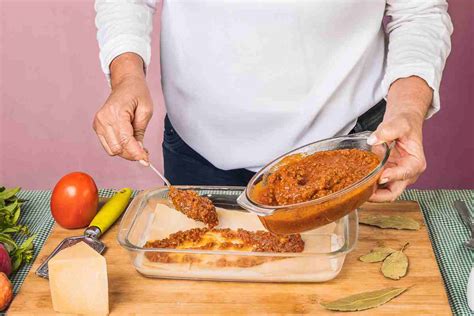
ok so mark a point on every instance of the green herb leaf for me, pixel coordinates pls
(390, 221)
(10, 212)
(9, 193)
(16, 215)
(363, 301)
(395, 266)
(28, 243)
(16, 263)
(8, 242)
(10, 230)
(377, 254)
(10, 208)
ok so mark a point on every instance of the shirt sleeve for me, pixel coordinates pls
(419, 42)
(124, 26)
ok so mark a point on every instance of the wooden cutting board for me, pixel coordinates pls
(131, 293)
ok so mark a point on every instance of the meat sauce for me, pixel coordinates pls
(194, 206)
(228, 239)
(305, 178)
(223, 239)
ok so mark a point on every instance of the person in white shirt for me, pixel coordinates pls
(247, 80)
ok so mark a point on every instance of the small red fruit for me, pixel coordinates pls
(5, 261)
(74, 200)
(6, 291)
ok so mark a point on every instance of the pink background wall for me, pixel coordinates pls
(51, 86)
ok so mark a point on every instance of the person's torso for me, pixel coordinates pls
(246, 80)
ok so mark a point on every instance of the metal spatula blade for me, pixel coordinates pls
(90, 237)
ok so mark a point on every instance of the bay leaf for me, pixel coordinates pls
(377, 254)
(365, 300)
(390, 221)
(395, 266)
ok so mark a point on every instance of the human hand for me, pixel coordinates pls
(407, 103)
(121, 122)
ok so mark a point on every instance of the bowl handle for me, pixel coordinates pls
(244, 202)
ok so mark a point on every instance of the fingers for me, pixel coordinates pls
(142, 116)
(106, 136)
(122, 120)
(112, 140)
(118, 140)
(408, 168)
(129, 147)
(389, 131)
(104, 144)
(390, 192)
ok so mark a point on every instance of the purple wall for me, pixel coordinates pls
(51, 86)
(449, 135)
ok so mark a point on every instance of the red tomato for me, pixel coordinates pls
(74, 200)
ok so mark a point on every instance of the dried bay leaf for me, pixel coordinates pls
(363, 301)
(377, 254)
(395, 266)
(390, 221)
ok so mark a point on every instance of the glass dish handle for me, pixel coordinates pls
(244, 202)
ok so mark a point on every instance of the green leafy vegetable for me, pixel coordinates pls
(377, 254)
(8, 194)
(390, 221)
(24, 253)
(365, 300)
(395, 266)
(11, 229)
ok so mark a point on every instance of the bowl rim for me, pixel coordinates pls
(362, 135)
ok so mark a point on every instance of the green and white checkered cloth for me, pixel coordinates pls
(447, 234)
(35, 213)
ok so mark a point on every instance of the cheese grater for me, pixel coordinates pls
(106, 216)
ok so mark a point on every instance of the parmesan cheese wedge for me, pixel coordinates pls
(78, 281)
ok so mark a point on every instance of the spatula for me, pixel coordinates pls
(106, 216)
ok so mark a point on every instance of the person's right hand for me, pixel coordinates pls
(121, 122)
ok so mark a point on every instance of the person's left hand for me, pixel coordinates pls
(407, 103)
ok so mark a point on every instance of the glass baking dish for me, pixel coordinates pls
(150, 216)
(304, 216)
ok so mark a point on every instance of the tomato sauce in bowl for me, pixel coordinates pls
(315, 184)
(314, 176)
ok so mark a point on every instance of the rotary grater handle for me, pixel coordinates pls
(109, 213)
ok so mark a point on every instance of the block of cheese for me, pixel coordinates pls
(78, 281)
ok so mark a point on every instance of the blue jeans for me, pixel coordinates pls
(184, 166)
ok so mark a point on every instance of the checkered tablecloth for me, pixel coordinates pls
(447, 234)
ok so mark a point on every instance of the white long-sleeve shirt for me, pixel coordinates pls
(247, 80)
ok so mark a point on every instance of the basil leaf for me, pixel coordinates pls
(9, 193)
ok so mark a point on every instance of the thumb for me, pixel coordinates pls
(386, 133)
(141, 118)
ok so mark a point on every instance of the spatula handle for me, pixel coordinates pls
(112, 210)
